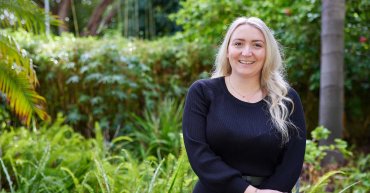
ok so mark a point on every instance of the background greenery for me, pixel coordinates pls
(116, 101)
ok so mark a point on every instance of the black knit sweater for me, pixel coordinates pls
(226, 138)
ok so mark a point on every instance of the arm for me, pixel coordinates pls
(213, 173)
(288, 171)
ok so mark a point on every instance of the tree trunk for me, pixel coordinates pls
(47, 17)
(63, 12)
(96, 18)
(332, 65)
(110, 16)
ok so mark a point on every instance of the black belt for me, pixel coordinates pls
(254, 180)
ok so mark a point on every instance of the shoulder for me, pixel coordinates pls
(293, 94)
(206, 89)
(206, 85)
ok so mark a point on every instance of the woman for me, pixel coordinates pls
(244, 129)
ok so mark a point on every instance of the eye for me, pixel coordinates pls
(237, 44)
(258, 45)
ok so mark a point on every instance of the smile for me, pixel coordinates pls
(246, 62)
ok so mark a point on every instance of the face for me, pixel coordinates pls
(247, 51)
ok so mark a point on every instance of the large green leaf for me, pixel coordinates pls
(12, 54)
(17, 76)
(23, 99)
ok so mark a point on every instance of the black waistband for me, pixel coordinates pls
(254, 180)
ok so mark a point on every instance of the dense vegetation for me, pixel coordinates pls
(55, 158)
(116, 103)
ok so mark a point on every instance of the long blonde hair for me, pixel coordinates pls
(272, 75)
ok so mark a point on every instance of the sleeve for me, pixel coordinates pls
(212, 172)
(287, 172)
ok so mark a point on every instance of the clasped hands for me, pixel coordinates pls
(252, 189)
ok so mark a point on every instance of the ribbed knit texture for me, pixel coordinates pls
(226, 138)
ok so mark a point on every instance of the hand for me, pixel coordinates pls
(252, 189)
(268, 191)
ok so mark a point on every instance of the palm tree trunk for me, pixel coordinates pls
(332, 68)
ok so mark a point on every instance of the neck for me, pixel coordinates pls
(245, 85)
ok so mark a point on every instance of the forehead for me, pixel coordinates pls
(247, 32)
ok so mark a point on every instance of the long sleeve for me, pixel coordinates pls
(212, 171)
(289, 169)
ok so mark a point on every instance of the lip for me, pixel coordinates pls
(246, 62)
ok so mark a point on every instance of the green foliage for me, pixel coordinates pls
(354, 176)
(315, 153)
(17, 76)
(17, 81)
(158, 131)
(358, 178)
(357, 69)
(24, 14)
(57, 159)
(322, 182)
(99, 77)
(106, 79)
(296, 25)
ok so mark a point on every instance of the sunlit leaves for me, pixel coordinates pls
(18, 78)
(57, 159)
(17, 82)
(23, 14)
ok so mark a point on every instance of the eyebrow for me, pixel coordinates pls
(239, 39)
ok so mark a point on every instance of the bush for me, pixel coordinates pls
(54, 158)
(158, 132)
(106, 80)
(57, 159)
(334, 177)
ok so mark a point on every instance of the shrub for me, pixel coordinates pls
(106, 80)
(57, 159)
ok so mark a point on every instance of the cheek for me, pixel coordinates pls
(232, 53)
(262, 55)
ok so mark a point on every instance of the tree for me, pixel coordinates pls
(17, 75)
(332, 68)
(64, 7)
(96, 17)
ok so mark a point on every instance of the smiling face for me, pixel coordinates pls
(247, 51)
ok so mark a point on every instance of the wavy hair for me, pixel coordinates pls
(272, 75)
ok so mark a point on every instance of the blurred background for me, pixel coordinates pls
(92, 91)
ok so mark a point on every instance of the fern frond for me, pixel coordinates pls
(12, 54)
(27, 14)
(23, 99)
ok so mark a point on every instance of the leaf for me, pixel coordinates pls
(27, 15)
(75, 180)
(152, 181)
(11, 54)
(23, 99)
(7, 176)
(322, 180)
(346, 188)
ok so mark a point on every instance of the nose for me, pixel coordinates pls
(247, 51)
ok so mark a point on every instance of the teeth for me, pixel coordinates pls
(246, 62)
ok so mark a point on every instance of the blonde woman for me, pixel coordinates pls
(244, 128)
